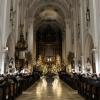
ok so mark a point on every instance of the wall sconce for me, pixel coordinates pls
(5, 48)
(49, 59)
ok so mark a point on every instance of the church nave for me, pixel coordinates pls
(52, 89)
(49, 49)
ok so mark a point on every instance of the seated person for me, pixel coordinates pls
(94, 76)
(25, 70)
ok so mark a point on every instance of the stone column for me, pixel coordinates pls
(75, 46)
(34, 44)
(68, 40)
(2, 62)
(17, 20)
(96, 34)
(64, 46)
(82, 33)
(75, 17)
(30, 35)
(5, 31)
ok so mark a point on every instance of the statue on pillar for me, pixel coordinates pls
(88, 67)
(11, 68)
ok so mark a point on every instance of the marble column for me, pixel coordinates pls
(2, 62)
(17, 20)
(82, 33)
(64, 47)
(96, 34)
(75, 46)
(34, 45)
(30, 36)
(4, 31)
(68, 40)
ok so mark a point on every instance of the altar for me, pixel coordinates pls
(49, 68)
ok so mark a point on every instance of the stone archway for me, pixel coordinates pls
(11, 46)
(89, 51)
(51, 15)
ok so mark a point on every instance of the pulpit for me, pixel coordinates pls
(20, 51)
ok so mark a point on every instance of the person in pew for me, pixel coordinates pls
(98, 77)
(25, 70)
(94, 76)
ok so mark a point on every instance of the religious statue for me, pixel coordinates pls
(25, 70)
(69, 69)
(88, 67)
(11, 68)
(39, 61)
(58, 60)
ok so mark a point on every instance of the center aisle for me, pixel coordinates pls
(49, 89)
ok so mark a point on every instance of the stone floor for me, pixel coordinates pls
(50, 90)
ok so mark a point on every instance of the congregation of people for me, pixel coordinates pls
(86, 82)
(14, 82)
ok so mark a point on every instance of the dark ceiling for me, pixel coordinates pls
(49, 33)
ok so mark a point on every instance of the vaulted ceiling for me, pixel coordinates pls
(58, 11)
(49, 9)
(61, 6)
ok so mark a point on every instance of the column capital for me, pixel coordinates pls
(4, 49)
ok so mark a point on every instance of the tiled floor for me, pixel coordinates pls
(50, 90)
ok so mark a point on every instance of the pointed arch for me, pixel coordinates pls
(88, 50)
(11, 45)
